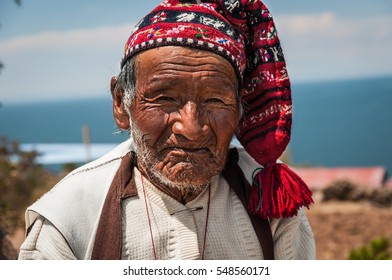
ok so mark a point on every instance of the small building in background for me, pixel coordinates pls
(317, 178)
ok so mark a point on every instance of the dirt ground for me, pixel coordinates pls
(339, 227)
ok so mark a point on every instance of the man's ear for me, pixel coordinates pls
(120, 115)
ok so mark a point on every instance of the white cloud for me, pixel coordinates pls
(323, 46)
(301, 25)
(61, 64)
(328, 25)
(103, 36)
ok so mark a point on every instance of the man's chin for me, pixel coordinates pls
(178, 170)
(183, 178)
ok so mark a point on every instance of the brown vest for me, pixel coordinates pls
(108, 239)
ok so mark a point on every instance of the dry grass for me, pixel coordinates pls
(341, 226)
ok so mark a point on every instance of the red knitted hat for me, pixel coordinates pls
(243, 32)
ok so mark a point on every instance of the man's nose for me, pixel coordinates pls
(190, 123)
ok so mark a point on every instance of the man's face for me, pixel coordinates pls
(184, 115)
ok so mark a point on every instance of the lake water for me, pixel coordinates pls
(340, 123)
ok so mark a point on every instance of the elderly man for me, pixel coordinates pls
(194, 74)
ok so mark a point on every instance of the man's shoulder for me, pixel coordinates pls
(93, 173)
(73, 205)
(103, 162)
(96, 174)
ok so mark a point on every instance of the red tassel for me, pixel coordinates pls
(277, 192)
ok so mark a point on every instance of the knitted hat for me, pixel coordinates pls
(242, 32)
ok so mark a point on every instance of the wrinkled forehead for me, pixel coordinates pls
(176, 60)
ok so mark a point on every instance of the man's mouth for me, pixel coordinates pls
(191, 150)
(185, 151)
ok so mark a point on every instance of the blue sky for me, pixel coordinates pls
(70, 49)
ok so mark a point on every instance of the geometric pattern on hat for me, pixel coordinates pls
(174, 23)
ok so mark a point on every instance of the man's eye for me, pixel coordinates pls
(214, 100)
(165, 98)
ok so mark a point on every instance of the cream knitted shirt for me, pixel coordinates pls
(179, 230)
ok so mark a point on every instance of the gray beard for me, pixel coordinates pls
(150, 163)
